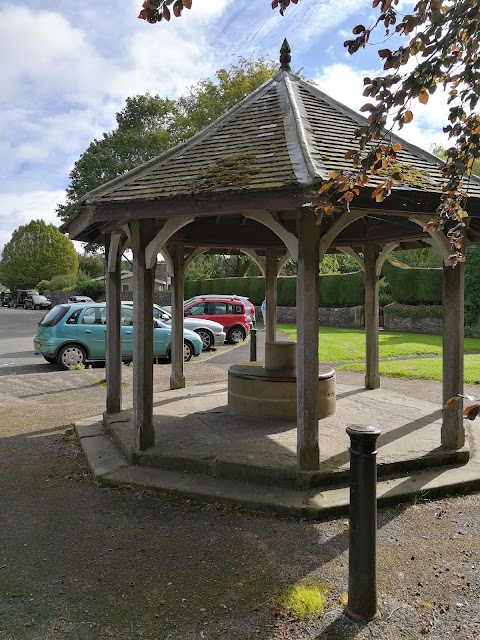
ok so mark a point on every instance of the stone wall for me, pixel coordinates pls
(348, 317)
(413, 325)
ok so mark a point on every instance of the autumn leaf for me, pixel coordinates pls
(423, 97)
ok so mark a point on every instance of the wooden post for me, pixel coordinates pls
(144, 433)
(372, 377)
(453, 432)
(271, 295)
(177, 377)
(113, 363)
(308, 453)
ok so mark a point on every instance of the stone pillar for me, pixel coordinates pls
(144, 433)
(113, 363)
(271, 295)
(372, 377)
(453, 433)
(177, 378)
(308, 453)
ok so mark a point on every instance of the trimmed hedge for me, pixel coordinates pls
(409, 285)
(342, 290)
(472, 285)
(414, 311)
(336, 290)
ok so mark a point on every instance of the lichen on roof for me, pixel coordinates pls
(228, 171)
(413, 176)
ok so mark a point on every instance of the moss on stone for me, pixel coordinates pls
(413, 176)
(229, 171)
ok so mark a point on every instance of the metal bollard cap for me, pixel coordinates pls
(356, 430)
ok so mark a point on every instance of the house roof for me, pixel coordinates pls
(271, 150)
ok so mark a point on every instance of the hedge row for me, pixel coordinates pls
(414, 311)
(410, 285)
(336, 290)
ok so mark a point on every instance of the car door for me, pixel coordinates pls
(92, 331)
(220, 311)
(162, 337)
(126, 330)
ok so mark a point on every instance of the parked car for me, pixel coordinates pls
(36, 301)
(76, 299)
(211, 333)
(73, 334)
(18, 299)
(249, 306)
(230, 313)
(5, 296)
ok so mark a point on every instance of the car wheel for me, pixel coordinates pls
(237, 335)
(36, 307)
(207, 338)
(187, 351)
(71, 355)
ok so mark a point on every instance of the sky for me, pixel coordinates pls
(67, 68)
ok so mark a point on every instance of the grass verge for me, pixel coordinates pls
(422, 368)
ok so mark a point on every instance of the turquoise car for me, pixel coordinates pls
(73, 334)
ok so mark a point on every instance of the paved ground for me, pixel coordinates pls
(81, 561)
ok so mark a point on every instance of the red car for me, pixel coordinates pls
(230, 313)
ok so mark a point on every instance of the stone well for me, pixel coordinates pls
(269, 390)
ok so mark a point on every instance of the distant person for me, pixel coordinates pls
(264, 310)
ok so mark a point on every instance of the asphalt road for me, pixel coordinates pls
(17, 355)
(17, 329)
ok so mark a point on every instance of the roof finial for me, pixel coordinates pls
(285, 56)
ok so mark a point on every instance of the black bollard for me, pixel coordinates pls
(253, 345)
(362, 563)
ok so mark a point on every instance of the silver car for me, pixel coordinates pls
(211, 333)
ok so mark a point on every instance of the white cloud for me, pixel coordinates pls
(69, 70)
(345, 84)
(17, 209)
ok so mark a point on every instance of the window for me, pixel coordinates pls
(125, 287)
(90, 316)
(197, 309)
(219, 308)
(73, 319)
(126, 318)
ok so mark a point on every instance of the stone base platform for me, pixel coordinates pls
(196, 435)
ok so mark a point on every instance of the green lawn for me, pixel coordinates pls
(347, 345)
(423, 368)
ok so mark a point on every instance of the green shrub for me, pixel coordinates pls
(336, 290)
(60, 283)
(92, 288)
(472, 331)
(43, 285)
(256, 290)
(287, 291)
(472, 284)
(411, 285)
(384, 293)
(414, 311)
(342, 290)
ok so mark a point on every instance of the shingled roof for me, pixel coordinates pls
(271, 151)
(285, 133)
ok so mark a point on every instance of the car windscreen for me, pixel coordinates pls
(39, 298)
(52, 317)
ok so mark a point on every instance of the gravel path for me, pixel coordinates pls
(85, 562)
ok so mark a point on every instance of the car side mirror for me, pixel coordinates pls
(165, 316)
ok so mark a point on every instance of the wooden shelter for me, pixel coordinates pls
(248, 183)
